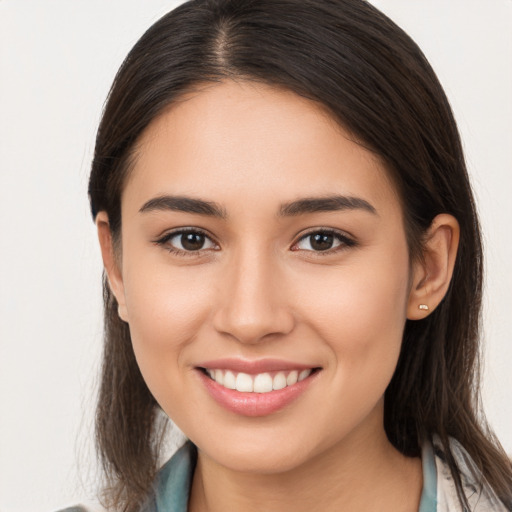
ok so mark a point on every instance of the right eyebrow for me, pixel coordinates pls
(183, 204)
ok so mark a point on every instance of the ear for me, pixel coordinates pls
(431, 275)
(111, 263)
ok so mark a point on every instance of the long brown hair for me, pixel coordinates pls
(376, 82)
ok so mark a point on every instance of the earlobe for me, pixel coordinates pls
(433, 273)
(111, 263)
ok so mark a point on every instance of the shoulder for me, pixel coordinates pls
(171, 488)
(480, 496)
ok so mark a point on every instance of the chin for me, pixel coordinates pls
(261, 459)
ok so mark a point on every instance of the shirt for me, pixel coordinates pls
(174, 481)
(438, 494)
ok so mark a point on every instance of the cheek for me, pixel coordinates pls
(360, 314)
(167, 308)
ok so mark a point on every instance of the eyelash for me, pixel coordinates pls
(345, 242)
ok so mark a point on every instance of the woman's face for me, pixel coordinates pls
(258, 238)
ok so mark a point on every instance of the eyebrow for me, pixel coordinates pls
(294, 208)
(325, 204)
(184, 204)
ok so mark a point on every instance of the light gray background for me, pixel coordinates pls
(58, 59)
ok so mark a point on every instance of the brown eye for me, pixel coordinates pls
(323, 241)
(192, 241)
(187, 241)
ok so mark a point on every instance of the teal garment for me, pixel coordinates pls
(428, 501)
(173, 483)
(175, 479)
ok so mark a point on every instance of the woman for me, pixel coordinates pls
(293, 269)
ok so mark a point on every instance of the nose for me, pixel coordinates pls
(253, 300)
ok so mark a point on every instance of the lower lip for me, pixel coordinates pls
(255, 404)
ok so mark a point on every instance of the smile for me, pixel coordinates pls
(264, 387)
(259, 383)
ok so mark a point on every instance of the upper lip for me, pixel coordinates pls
(253, 366)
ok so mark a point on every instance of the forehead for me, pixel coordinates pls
(232, 140)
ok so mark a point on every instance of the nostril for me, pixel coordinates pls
(256, 328)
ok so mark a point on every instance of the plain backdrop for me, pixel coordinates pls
(58, 59)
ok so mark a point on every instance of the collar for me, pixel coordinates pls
(175, 480)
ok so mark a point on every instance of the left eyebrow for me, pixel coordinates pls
(325, 204)
(184, 204)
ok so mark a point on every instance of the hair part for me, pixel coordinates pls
(374, 81)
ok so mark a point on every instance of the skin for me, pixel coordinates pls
(258, 289)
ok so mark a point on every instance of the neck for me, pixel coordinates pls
(364, 472)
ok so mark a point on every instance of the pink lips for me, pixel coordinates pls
(254, 404)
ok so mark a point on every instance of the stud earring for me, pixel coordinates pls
(423, 307)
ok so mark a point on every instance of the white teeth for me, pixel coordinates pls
(244, 383)
(229, 380)
(279, 381)
(303, 374)
(260, 383)
(292, 378)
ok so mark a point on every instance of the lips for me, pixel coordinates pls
(255, 388)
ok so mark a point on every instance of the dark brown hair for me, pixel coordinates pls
(375, 81)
